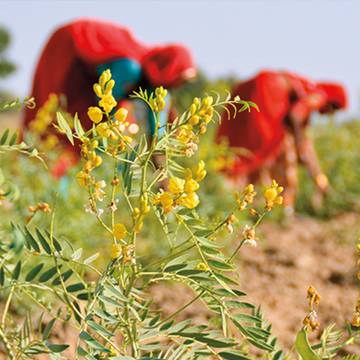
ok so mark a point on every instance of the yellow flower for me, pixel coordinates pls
(194, 120)
(272, 195)
(189, 200)
(104, 77)
(200, 171)
(176, 185)
(107, 102)
(185, 134)
(121, 114)
(202, 267)
(119, 231)
(82, 178)
(166, 201)
(109, 86)
(95, 114)
(116, 251)
(103, 130)
(356, 319)
(97, 90)
(191, 185)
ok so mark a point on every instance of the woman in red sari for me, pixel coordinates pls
(274, 140)
(77, 53)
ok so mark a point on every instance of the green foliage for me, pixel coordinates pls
(338, 148)
(6, 66)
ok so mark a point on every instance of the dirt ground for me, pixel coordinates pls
(277, 273)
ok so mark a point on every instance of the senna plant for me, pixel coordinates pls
(9, 143)
(109, 310)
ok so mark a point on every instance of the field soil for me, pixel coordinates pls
(276, 274)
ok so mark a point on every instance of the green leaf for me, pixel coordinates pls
(261, 344)
(66, 275)
(56, 348)
(220, 265)
(4, 137)
(48, 328)
(13, 139)
(75, 287)
(16, 273)
(47, 275)
(45, 245)
(233, 355)
(92, 342)
(216, 343)
(100, 329)
(31, 240)
(2, 276)
(64, 126)
(33, 272)
(248, 318)
(174, 268)
(116, 292)
(83, 296)
(77, 126)
(303, 347)
(208, 243)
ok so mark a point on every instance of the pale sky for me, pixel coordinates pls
(318, 38)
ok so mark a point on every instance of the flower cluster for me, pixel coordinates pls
(43, 119)
(272, 195)
(34, 209)
(246, 198)
(200, 114)
(43, 206)
(182, 192)
(106, 127)
(311, 321)
(157, 103)
(112, 127)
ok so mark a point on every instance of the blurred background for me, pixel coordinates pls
(228, 38)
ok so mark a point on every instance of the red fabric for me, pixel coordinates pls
(166, 65)
(260, 134)
(68, 62)
(62, 165)
(335, 93)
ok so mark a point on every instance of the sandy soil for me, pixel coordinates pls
(277, 273)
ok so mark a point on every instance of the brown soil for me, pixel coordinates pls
(277, 273)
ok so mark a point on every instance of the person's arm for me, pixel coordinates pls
(306, 152)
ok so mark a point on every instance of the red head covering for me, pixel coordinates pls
(168, 65)
(335, 93)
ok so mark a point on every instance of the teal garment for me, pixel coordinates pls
(164, 115)
(64, 186)
(126, 73)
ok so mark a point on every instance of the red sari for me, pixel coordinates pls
(69, 60)
(261, 134)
